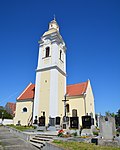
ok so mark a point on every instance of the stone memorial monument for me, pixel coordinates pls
(107, 127)
(86, 125)
(86, 122)
(74, 123)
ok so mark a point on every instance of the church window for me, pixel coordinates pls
(74, 113)
(60, 54)
(47, 52)
(24, 109)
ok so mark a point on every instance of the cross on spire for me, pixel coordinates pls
(54, 17)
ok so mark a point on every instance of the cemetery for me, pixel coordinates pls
(65, 131)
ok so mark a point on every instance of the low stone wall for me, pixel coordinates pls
(6, 121)
(19, 133)
(108, 143)
(26, 137)
(51, 146)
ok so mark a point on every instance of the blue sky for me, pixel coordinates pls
(91, 30)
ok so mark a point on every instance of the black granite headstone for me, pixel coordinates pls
(57, 120)
(42, 121)
(52, 121)
(86, 122)
(64, 126)
(74, 122)
(35, 121)
(94, 140)
(117, 120)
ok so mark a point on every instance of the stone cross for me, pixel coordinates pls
(65, 100)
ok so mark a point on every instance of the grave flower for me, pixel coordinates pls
(60, 133)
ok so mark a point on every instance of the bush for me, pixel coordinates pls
(95, 133)
(5, 115)
(75, 134)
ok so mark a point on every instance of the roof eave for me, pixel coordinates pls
(75, 96)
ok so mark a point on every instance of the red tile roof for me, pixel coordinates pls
(28, 93)
(10, 108)
(77, 89)
(72, 90)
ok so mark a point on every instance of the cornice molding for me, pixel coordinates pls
(52, 67)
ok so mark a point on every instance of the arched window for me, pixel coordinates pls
(74, 113)
(24, 109)
(47, 53)
(60, 54)
(67, 108)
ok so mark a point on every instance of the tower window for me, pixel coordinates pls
(47, 54)
(24, 109)
(60, 54)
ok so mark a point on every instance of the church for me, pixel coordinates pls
(50, 97)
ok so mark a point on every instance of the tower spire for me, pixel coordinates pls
(54, 17)
(53, 24)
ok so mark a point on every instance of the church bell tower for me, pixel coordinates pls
(50, 86)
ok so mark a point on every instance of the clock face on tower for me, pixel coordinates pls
(47, 41)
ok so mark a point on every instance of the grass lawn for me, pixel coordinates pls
(81, 146)
(22, 128)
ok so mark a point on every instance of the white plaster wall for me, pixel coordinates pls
(6, 121)
(54, 49)
(37, 95)
(90, 106)
(53, 110)
(65, 62)
(40, 55)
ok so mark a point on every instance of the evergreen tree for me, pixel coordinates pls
(5, 115)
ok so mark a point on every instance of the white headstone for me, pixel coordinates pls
(107, 127)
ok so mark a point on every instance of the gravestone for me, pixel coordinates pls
(64, 125)
(92, 121)
(107, 127)
(52, 121)
(66, 119)
(35, 121)
(86, 125)
(117, 120)
(18, 124)
(57, 121)
(42, 121)
(86, 122)
(74, 123)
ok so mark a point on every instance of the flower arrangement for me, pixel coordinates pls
(60, 133)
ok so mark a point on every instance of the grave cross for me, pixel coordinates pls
(65, 100)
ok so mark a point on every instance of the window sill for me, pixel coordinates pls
(61, 60)
(46, 57)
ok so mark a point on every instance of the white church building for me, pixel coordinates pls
(44, 98)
